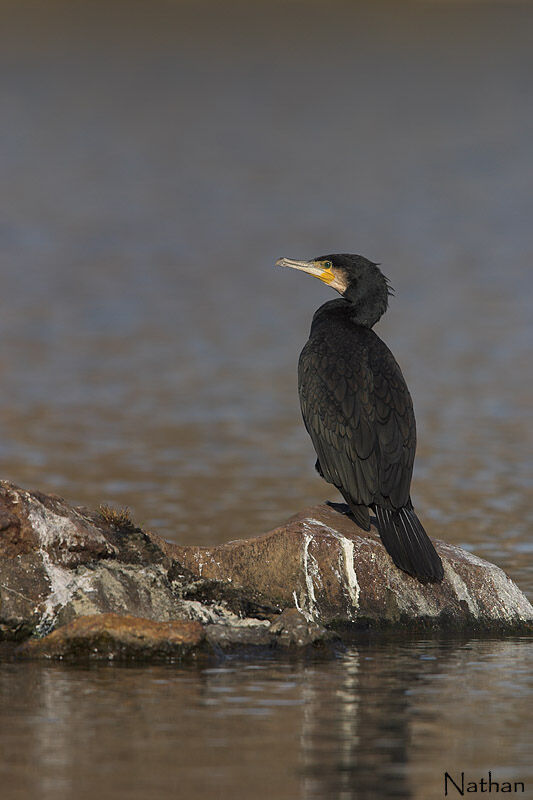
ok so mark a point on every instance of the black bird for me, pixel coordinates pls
(358, 411)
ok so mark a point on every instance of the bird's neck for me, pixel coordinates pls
(366, 308)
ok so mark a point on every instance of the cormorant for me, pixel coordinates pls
(358, 411)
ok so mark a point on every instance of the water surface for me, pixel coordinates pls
(381, 721)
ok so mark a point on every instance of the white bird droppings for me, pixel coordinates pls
(350, 576)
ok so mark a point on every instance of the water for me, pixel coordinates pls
(382, 721)
(155, 161)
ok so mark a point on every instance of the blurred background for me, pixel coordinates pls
(156, 158)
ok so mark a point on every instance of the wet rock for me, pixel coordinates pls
(113, 637)
(239, 638)
(288, 588)
(289, 630)
(292, 629)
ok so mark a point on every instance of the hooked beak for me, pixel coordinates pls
(305, 266)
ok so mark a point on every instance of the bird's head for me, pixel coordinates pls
(357, 279)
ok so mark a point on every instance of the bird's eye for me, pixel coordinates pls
(328, 264)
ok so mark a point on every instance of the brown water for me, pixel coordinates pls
(155, 160)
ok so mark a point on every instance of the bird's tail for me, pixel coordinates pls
(408, 544)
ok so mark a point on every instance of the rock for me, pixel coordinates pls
(113, 637)
(58, 562)
(294, 630)
(335, 574)
(289, 630)
(227, 638)
(288, 588)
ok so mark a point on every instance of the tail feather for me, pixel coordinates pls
(408, 544)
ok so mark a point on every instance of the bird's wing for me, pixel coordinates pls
(395, 425)
(336, 401)
(358, 412)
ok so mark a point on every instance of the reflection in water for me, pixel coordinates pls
(366, 715)
(338, 704)
(381, 721)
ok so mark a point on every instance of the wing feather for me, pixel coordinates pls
(358, 412)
